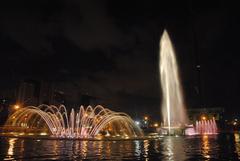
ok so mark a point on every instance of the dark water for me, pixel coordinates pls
(220, 147)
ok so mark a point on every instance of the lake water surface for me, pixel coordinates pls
(218, 147)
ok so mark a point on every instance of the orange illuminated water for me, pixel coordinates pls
(90, 122)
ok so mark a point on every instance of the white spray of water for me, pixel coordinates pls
(173, 108)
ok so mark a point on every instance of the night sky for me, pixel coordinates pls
(109, 49)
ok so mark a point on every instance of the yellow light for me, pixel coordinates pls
(205, 136)
(22, 133)
(43, 133)
(204, 118)
(234, 123)
(16, 107)
(155, 125)
(145, 118)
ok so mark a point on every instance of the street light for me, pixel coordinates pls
(16, 107)
(203, 118)
(137, 122)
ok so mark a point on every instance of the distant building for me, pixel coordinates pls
(195, 114)
(87, 100)
(46, 93)
(4, 111)
(59, 97)
(31, 92)
(28, 92)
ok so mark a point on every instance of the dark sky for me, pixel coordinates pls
(110, 49)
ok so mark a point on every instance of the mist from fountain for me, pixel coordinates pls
(85, 123)
(173, 108)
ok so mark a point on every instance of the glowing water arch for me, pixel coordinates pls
(85, 123)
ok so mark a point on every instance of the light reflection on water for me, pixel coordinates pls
(11, 146)
(205, 147)
(221, 147)
(237, 144)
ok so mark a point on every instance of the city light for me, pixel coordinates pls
(203, 118)
(137, 122)
(155, 125)
(145, 118)
(16, 107)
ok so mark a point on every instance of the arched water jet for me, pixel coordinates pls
(84, 123)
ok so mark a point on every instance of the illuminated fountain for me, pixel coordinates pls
(203, 127)
(173, 108)
(97, 122)
(206, 127)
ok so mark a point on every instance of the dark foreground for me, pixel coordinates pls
(219, 147)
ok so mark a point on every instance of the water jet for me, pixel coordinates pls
(173, 107)
(88, 123)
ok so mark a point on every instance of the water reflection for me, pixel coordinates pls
(137, 148)
(11, 146)
(205, 147)
(145, 148)
(99, 147)
(174, 148)
(167, 148)
(10, 151)
(84, 148)
(237, 144)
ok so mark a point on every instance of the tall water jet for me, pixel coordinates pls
(173, 108)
